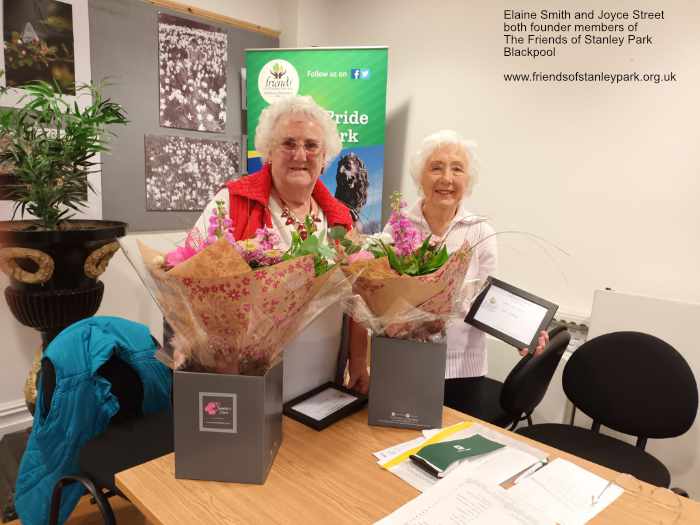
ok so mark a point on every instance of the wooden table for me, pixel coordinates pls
(332, 477)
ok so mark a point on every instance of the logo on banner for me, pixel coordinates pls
(359, 74)
(278, 79)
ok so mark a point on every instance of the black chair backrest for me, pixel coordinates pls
(126, 386)
(527, 383)
(634, 383)
(556, 329)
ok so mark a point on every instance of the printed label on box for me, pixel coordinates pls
(403, 418)
(217, 412)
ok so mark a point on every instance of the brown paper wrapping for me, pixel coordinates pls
(230, 318)
(383, 297)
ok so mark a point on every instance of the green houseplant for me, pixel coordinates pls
(53, 260)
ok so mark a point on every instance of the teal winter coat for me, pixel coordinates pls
(82, 406)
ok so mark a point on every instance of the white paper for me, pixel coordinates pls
(564, 492)
(500, 464)
(510, 314)
(395, 450)
(324, 403)
(460, 499)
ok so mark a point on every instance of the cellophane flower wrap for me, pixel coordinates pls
(233, 306)
(404, 285)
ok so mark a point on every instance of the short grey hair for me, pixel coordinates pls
(304, 105)
(445, 137)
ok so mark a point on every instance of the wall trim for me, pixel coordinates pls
(14, 416)
(211, 15)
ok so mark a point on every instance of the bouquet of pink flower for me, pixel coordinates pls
(404, 285)
(234, 305)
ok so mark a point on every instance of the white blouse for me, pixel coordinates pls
(466, 345)
(311, 359)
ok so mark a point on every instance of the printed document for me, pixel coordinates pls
(510, 314)
(495, 467)
(324, 403)
(566, 493)
(462, 499)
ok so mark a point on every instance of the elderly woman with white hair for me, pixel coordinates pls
(297, 139)
(445, 169)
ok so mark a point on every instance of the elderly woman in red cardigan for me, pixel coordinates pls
(297, 140)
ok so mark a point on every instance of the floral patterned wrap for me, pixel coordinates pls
(230, 318)
(408, 306)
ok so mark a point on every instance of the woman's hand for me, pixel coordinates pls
(357, 358)
(542, 341)
(359, 376)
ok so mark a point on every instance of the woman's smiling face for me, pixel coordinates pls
(298, 155)
(444, 179)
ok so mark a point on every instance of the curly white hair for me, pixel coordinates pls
(445, 137)
(305, 105)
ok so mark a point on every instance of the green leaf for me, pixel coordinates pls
(337, 233)
(52, 143)
(394, 260)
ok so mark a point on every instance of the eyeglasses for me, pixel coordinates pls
(310, 147)
(667, 505)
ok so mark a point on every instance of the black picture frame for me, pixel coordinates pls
(320, 424)
(550, 307)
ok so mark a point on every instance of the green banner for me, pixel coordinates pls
(350, 83)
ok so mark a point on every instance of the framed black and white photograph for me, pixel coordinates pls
(510, 314)
(38, 43)
(184, 174)
(324, 405)
(192, 74)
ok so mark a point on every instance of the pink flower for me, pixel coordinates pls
(178, 255)
(267, 238)
(211, 408)
(407, 238)
(362, 255)
(193, 245)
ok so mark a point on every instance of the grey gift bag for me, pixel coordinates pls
(227, 427)
(407, 383)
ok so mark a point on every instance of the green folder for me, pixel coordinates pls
(439, 456)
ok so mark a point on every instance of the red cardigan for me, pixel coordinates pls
(249, 197)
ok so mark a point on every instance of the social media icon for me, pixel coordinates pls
(359, 74)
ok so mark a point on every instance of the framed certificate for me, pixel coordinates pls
(510, 314)
(324, 405)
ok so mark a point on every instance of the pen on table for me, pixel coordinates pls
(530, 471)
(596, 499)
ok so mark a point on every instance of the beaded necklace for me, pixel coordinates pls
(292, 220)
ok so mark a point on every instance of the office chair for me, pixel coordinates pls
(630, 382)
(130, 439)
(515, 399)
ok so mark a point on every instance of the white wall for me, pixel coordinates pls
(266, 13)
(604, 172)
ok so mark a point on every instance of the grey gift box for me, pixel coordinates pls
(227, 427)
(407, 383)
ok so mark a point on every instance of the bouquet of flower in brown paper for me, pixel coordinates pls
(233, 306)
(404, 285)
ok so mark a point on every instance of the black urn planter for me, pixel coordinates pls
(54, 274)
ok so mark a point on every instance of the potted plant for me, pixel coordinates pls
(53, 260)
